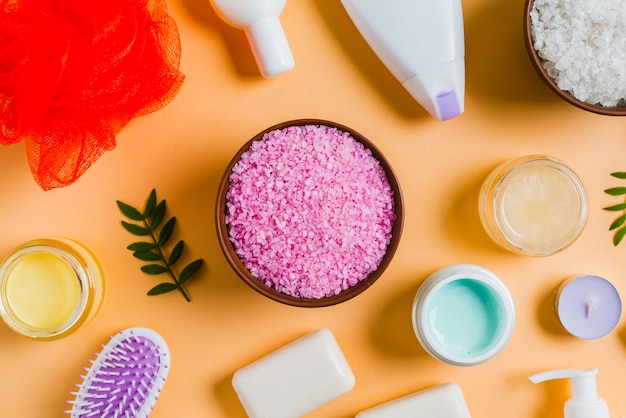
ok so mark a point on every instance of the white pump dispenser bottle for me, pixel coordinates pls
(259, 20)
(584, 402)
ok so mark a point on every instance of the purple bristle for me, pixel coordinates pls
(126, 377)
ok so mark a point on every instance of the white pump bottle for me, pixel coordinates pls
(584, 402)
(259, 20)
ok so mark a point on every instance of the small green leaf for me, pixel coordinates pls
(162, 288)
(146, 256)
(166, 231)
(150, 204)
(619, 174)
(618, 222)
(135, 229)
(154, 269)
(616, 191)
(616, 208)
(153, 251)
(189, 271)
(141, 246)
(177, 251)
(157, 215)
(129, 211)
(619, 235)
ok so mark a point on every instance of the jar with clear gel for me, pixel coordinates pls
(534, 205)
(49, 288)
(463, 315)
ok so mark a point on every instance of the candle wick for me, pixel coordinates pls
(590, 309)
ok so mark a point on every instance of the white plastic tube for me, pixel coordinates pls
(445, 400)
(422, 43)
(259, 20)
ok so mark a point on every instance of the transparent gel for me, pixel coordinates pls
(534, 205)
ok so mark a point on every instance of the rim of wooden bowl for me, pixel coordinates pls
(543, 74)
(256, 284)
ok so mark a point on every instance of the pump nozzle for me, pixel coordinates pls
(584, 402)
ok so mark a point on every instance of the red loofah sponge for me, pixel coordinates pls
(73, 73)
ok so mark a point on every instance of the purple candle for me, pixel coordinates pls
(588, 307)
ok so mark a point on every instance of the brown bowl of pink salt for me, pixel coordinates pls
(309, 213)
(578, 48)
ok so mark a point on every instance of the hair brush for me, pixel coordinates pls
(126, 377)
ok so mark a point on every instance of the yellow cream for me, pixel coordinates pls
(42, 290)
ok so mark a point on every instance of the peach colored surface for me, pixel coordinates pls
(182, 151)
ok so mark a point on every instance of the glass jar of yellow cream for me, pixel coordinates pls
(49, 288)
(533, 205)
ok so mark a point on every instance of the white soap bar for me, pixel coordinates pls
(443, 401)
(295, 379)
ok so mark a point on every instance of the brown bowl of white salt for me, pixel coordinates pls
(578, 48)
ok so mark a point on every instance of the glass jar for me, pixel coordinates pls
(533, 205)
(49, 288)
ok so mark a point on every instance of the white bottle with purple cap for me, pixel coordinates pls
(422, 43)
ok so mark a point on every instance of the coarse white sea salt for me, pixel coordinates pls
(582, 44)
(309, 210)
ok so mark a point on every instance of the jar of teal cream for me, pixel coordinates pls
(463, 315)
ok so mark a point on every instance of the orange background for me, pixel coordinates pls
(183, 149)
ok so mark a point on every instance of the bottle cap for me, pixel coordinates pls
(440, 90)
(270, 47)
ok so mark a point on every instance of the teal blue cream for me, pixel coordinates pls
(464, 318)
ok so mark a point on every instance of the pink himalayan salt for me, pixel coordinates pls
(309, 210)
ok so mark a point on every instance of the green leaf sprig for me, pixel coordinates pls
(619, 224)
(150, 221)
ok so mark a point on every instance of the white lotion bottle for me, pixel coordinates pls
(584, 402)
(422, 43)
(259, 20)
